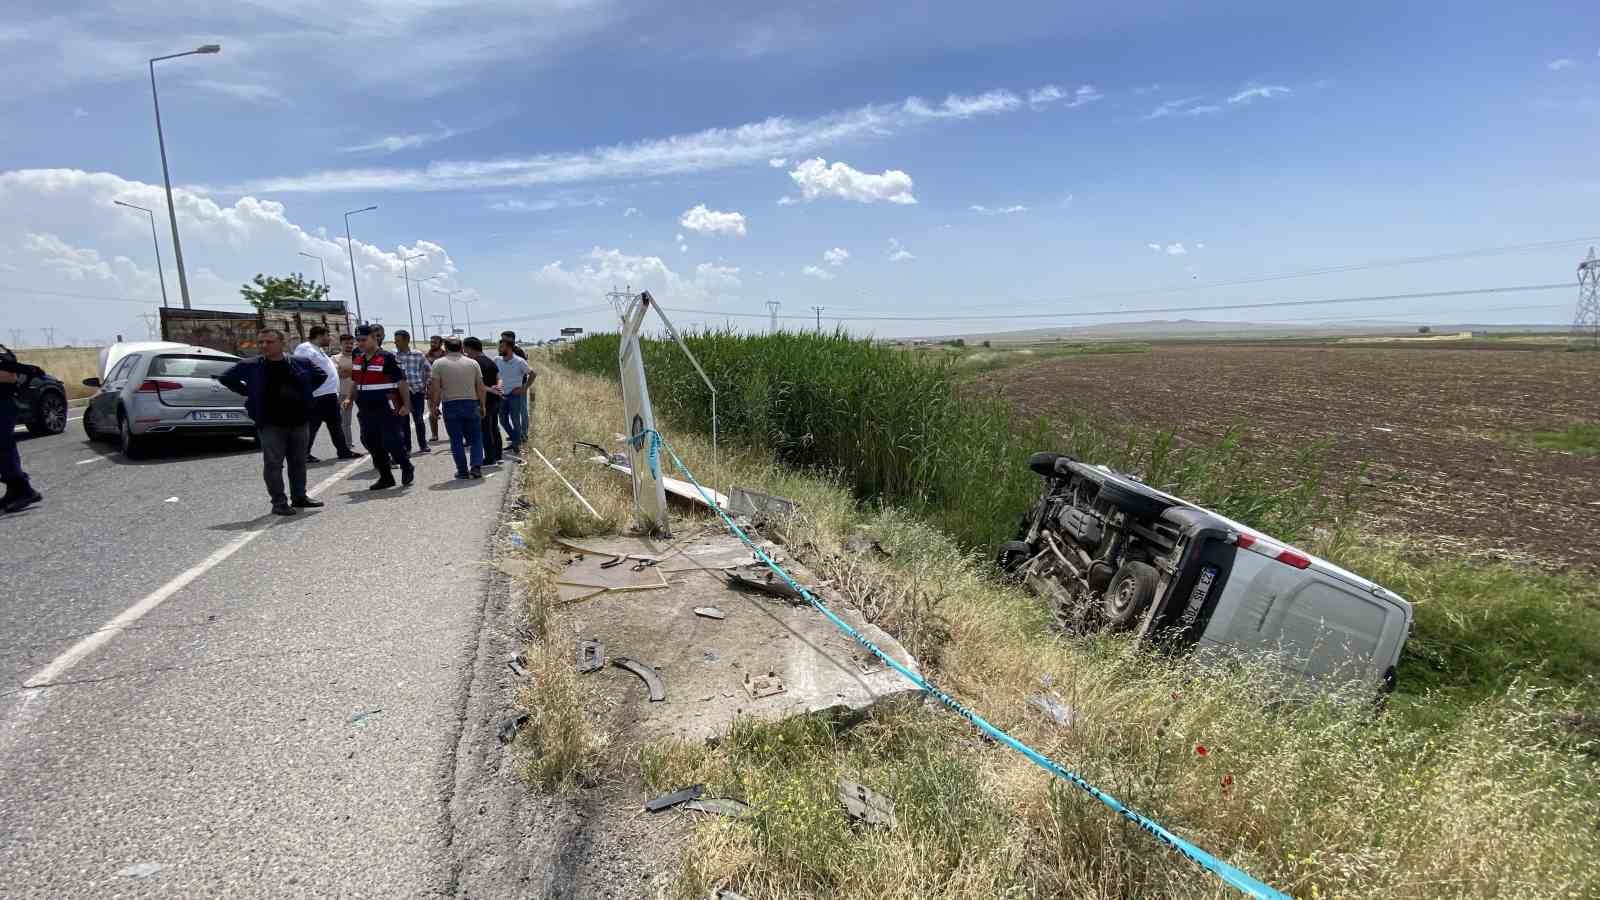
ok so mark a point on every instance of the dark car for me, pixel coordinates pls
(41, 401)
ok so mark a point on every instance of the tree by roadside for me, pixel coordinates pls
(269, 292)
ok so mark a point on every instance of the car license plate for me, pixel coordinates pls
(208, 416)
(1197, 597)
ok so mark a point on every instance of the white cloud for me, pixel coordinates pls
(515, 204)
(777, 162)
(247, 92)
(79, 112)
(1171, 107)
(1155, 247)
(997, 210)
(898, 253)
(817, 179)
(1146, 90)
(787, 200)
(710, 221)
(776, 137)
(1200, 245)
(835, 257)
(600, 270)
(394, 143)
(1175, 248)
(817, 272)
(1202, 110)
(1050, 93)
(1261, 92)
(630, 211)
(67, 236)
(1556, 65)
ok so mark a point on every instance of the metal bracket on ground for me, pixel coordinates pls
(591, 655)
(866, 805)
(665, 801)
(761, 686)
(652, 679)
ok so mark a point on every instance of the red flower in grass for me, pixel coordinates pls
(1227, 785)
(1200, 750)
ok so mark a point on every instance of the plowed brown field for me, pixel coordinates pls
(1440, 430)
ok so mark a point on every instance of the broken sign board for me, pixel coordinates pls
(866, 805)
(649, 494)
(677, 487)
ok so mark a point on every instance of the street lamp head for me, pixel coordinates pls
(418, 256)
(131, 206)
(208, 48)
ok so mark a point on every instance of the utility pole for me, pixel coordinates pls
(438, 322)
(150, 323)
(16, 336)
(1586, 320)
(621, 300)
(772, 308)
(49, 336)
(819, 316)
(405, 274)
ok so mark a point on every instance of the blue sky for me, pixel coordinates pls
(914, 159)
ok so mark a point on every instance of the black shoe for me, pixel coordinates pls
(308, 503)
(22, 501)
(282, 509)
(475, 473)
(408, 476)
(351, 455)
(421, 451)
(381, 484)
(463, 475)
(313, 459)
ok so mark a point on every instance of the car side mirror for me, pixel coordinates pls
(91, 382)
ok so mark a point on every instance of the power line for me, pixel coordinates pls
(18, 290)
(1146, 310)
(1323, 270)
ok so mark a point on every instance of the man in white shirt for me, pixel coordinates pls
(325, 399)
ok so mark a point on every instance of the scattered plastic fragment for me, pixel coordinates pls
(866, 805)
(709, 612)
(508, 729)
(710, 656)
(517, 666)
(652, 680)
(141, 870)
(665, 801)
(364, 715)
(722, 806)
(517, 541)
(591, 655)
(1052, 706)
(170, 500)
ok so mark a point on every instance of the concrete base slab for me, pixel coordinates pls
(705, 663)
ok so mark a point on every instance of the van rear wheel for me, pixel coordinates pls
(1129, 594)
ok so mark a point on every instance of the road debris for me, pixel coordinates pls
(591, 655)
(652, 679)
(518, 665)
(709, 612)
(564, 481)
(1053, 707)
(170, 500)
(863, 804)
(666, 801)
(141, 870)
(754, 504)
(763, 685)
(769, 585)
(507, 732)
(363, 715)
(721, 806)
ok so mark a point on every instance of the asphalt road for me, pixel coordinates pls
(202, 700)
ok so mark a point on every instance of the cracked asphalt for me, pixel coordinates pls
(283, 723)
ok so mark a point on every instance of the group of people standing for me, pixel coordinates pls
(290, 395)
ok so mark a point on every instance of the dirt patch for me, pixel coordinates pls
(1428, 423)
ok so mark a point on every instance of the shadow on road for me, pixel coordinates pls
(455, 484)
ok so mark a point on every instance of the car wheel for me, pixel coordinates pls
(1129, 594)
(51, 415)
(132, 445)
(1135, 500)
(1044, 463)
(1012, 554)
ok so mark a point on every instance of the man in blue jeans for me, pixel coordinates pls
(456, 387)
(514, 378)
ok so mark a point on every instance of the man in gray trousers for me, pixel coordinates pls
(277, 391)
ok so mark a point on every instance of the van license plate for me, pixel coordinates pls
(1197, 597)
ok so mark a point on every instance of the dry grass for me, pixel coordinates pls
(1324, 799)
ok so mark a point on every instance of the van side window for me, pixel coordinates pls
(1331, 627)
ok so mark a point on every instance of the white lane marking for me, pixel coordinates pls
(75, 654)
(85, 462)
(20, 429)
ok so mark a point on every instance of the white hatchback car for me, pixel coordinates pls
(164, 390)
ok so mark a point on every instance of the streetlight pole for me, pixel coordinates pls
(468, 304)
(421, 314)
(320, 262)
(405, 273)
(451, 296)
(350, 247)
(154, 240)
(161, 140)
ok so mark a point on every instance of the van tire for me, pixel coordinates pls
(1044, 463)
(1012, 554)
(1129, 594)
(1139, 502)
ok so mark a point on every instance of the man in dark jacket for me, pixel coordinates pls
(20, 493)
(278, 397)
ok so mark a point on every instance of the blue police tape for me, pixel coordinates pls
(1235, 877)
